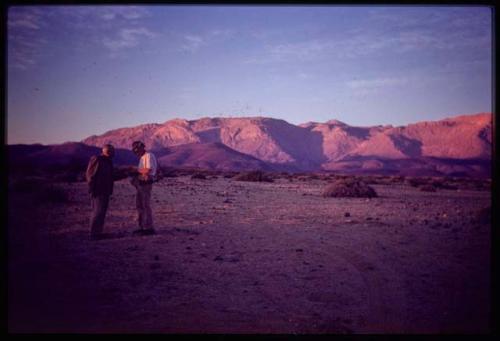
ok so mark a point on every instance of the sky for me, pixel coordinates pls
(75, 71)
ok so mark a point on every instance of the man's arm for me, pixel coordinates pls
(144, 171)
(91, 169)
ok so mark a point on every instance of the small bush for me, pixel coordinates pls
(198, 176)
(416, 182)
(481, 185)
(444, 184)
(167, 172)
(427, 188)
(372, 180)
(349, 188)
(257, 176)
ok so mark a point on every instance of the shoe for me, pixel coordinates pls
(100, 236)
(144, 232)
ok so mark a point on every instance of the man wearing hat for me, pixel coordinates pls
(99, 176)
(144, 183)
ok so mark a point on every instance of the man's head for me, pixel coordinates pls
(108, 150)
(138, 148)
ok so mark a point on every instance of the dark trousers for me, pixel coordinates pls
(99, 207)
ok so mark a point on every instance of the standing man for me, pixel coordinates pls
(144, 184)
(99, 177)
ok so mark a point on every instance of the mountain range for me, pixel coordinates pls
(460, 145)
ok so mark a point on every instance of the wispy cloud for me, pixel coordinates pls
(448, 28)
(193, 42)
(304, 75)
(24, 18)
(25, 43)
(303, 51)
(437, 31)
(127, 38)
(126, 12)
(374, 86)
(298, 51)
(100, 15)
(115, 27)
(376, 83)
(112, 27)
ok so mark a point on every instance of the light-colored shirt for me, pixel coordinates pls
(148, 160)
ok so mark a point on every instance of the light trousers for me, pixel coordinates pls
(143, 204)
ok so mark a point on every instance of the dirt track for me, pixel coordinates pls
(243, 257)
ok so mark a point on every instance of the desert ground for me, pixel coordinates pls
(252, 257)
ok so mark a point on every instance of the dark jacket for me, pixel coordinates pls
(99, 175)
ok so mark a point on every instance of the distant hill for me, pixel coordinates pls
(70, 154)
(457, 145)
(214, 155)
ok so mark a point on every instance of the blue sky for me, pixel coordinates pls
(75, 71)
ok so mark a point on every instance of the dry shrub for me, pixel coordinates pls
(427, 188)
(350, 188)
(443, 184)
(396, 178)
(170, 174)
(447, 185)
(416, 182)
(229, 174)
(482, 185)
(257, 176)
(167, 172)
(372, 180)
(199, 176)
(419, 181)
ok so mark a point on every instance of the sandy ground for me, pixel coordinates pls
(245, 257)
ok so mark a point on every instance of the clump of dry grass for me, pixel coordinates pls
(350, 188)
(257, 176)
(443, 184)
(416, 182)
(427, 188)
(199, 176)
